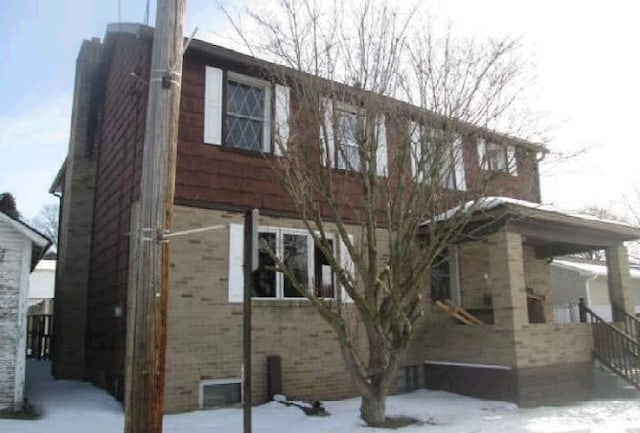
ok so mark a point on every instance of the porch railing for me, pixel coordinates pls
(629, 323)
(613, 347)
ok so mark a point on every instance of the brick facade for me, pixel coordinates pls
(76, 221)
(205, 330)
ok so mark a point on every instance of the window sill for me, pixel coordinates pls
(498, 172)
(242, 151)
(284, 303)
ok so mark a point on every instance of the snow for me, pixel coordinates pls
(78, 407)
(488, 203)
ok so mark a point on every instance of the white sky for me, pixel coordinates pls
(587, 65)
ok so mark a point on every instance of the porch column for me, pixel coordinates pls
(506, 279)
(619, 280)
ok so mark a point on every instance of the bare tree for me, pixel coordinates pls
(8, 205)
(603, 213)
(382, 109)
(47, 223)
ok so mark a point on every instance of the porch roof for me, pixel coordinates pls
(550, 231)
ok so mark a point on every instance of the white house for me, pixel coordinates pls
(573, 278)
(21, 247)
(41, 284)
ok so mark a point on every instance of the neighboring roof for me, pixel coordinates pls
(590, 268)
(226, 54)
(46, 265)
(40, 242)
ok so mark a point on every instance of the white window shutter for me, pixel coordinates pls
(482, 152)
(381, 149)
(461, 182)
(236, 260)
(415, 150)
(282, 118)
(327, 149)
(347, 264)
(512, 165)
(213, 106)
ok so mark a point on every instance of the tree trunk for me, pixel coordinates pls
(372, 408)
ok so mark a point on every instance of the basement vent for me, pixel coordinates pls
(220, 393)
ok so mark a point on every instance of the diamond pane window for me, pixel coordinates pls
(245, 115)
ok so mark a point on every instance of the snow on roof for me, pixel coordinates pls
(590, 268)
(493, 202)
(25, 229)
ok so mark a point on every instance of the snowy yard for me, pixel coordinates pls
(71, 406)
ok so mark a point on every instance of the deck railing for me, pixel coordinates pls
(614, 348)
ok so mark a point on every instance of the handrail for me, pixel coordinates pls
(630, 323)
(613, 347)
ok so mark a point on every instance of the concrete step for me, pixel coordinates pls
(609, 385)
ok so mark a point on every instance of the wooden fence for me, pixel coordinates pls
(39, 336)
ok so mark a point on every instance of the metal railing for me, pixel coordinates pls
(613, 348)
(629, 323)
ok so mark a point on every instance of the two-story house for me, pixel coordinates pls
(230, 119)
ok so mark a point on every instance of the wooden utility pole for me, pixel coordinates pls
(147, 327)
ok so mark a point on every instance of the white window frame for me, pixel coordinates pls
(331, 156)
(228, 381)
(455, 178)
(280, 232)
(507, 164)
(349, 110)
(266, 123)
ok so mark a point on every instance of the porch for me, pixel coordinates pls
(500, 273)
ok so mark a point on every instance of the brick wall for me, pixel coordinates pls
(545, 344)
(205, 331)
(76, 219)
(117, 186)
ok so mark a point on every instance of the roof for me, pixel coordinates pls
(46, 265)
(590, 268)
(530, 209)
(40, 242)
(550, 231)
(226, 54)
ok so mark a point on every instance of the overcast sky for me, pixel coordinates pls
(587, 65)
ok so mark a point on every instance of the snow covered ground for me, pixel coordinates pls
(78, 407)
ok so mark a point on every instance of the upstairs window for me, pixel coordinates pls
(341, 148)
(437, 157)
(497, 157)
(348, 156)
(247, 113)
(239, 113)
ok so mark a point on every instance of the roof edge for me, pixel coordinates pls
(208, 48)
(36, 237)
